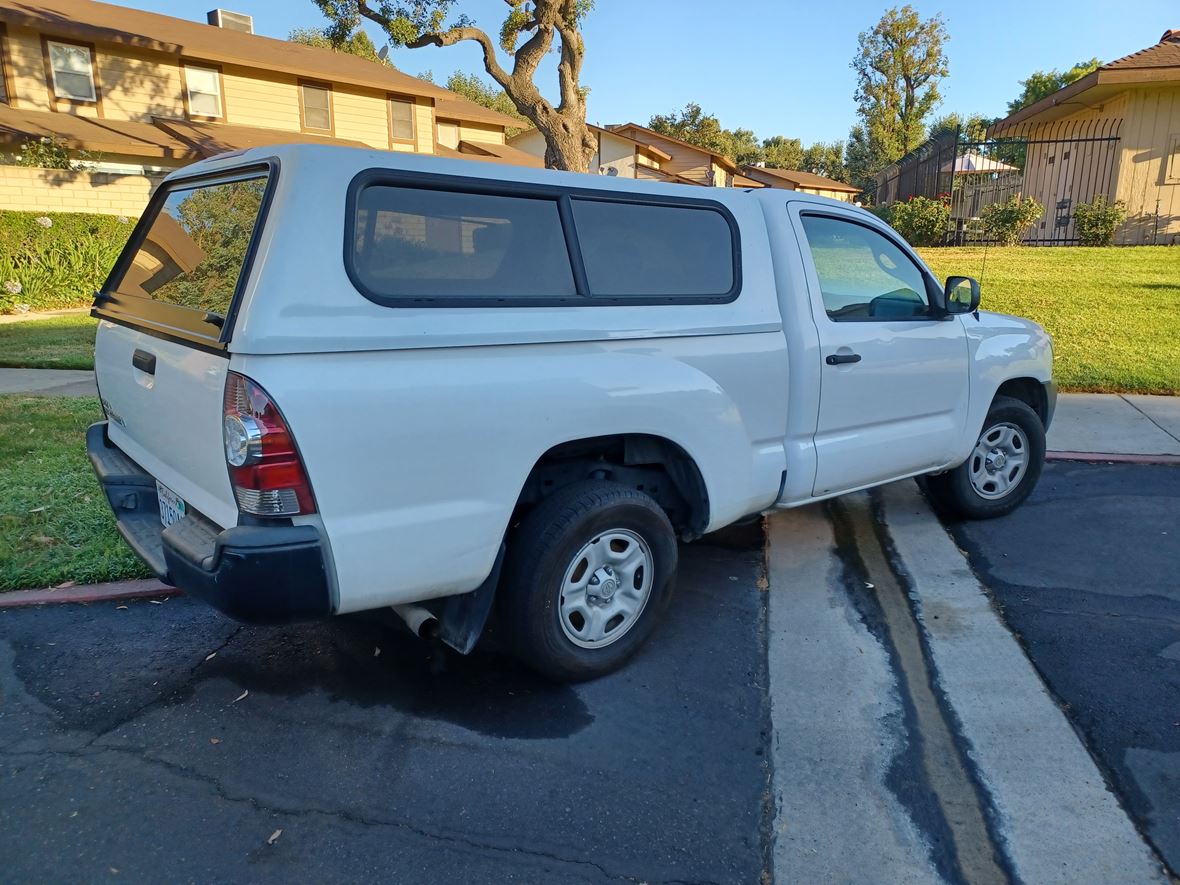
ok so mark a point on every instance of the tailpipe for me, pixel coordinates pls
(421, 622)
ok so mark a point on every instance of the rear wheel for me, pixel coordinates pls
(587, 574)
(1002, 469)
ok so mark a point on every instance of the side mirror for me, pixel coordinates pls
(961, 295)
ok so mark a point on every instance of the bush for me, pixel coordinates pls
(1005, 222)
(921, 220)
(1098, 220)
(56, 260)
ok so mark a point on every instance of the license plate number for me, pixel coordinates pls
(171, 505)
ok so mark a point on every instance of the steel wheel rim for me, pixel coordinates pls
(999, 461)
(605, 589)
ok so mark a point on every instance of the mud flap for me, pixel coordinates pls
(461, 618)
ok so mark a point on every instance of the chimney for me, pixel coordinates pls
(231, 21)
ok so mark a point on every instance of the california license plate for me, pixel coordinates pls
(171, 505)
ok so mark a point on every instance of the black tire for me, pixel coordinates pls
(955, 494)
(540, 552)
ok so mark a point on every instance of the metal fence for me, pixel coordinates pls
(1059, 172)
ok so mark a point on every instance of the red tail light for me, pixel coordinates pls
(264, 466)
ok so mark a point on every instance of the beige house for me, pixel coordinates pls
(616, 154)
(1115, 133)
(805, 182)
(686, 163)
(143, 93)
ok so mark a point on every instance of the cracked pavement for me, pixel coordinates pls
(123, 748)
(992, 704)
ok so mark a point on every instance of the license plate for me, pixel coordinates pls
(171, 505)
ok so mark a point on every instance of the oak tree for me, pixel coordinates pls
(531, 29)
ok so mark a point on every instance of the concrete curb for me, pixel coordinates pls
(111, 592)
(1112, 458)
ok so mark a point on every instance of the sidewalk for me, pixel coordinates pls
(1116, 424)
(41, 314)
(1085, 423)
(48, 382)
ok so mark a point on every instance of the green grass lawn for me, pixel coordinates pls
(61, 342)
(1114, 313)
(55, 525)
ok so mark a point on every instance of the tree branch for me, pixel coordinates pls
(569, 69)
(457, 35)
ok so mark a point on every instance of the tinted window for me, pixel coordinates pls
(645, 251)
(862, 274)
(414, 243)
(193, 252)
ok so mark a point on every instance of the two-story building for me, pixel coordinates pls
(140, 94)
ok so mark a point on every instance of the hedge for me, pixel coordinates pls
(56, 259)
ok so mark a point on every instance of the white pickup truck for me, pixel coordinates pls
(337, 380)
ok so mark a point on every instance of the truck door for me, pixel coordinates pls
(893, 371)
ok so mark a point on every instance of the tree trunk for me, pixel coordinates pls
(569, 143)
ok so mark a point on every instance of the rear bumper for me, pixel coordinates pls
(253, 573)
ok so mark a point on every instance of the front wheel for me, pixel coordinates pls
(587, 574)
(1002, 469)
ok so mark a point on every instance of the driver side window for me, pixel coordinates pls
(863, 276)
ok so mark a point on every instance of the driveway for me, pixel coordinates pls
(1088, 576)
(868, 717)
(125, 748)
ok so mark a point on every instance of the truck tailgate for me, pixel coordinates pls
(164, 405)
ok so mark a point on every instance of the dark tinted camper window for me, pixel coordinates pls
(412, 243)
(644, 251)
(193, 252)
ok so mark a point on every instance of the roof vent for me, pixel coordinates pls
(231, 21)
(1172, 35)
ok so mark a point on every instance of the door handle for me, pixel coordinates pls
(144, 361)
(837, 359)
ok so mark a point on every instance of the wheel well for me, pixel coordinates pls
(1029, 391)
(651, 464)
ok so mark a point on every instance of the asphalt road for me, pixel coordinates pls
(1087, 575)
(161, 742)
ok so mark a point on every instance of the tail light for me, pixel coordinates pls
(264, 466)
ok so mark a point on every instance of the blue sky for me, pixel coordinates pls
(777, 67)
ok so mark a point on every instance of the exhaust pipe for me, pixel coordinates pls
(421, 622)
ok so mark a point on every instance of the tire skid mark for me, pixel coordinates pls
(932, 776)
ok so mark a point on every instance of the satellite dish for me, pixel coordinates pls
(611, 172)
(384, 53)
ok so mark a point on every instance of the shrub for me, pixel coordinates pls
(1005, 222)
(55, 260)
(49, 153)
(1098, 220)
(921, 220)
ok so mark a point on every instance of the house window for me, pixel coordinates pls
(316, 103)
(448, 134)
(401, 119)
(204, 91)
(72, 70)
(1174, 160)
